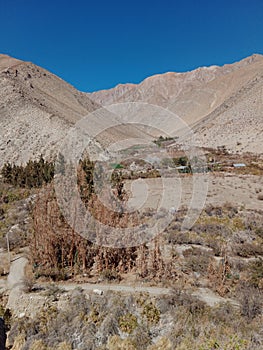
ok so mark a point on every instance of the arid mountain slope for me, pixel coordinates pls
(233, 90)
(37, 110)
(191, 94)
(237, 123)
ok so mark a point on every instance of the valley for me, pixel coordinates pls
(132, 218)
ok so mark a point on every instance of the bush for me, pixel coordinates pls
(256, 273)
(250, 301)
(247, 249)
(141, 338)
(28, 285)
(162, 344)
(64, 346)
(128, 323)
(38, 345)
(116, 343)
(190, 302)
(151, 313)
(110, 275)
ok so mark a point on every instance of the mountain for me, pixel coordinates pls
(212, 96)
(37, 110)
(236, 123)
(223, 105)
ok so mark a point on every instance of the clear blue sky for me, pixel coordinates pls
(98, 44)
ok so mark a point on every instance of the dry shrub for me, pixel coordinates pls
(215, 244)
(225, 313)
(256, 273)
(38, 345)
(141, 337)
(110, 275)
(190, 303)
(197, 260)
(108, 327)
(250, 301)
(64, 346)
(19, 343)
(151, 313)
(128, 323)
(162, 344)
(28, 285)
(213, 211)
(116, 343)
(247, 249)
(218, 276)
(230, 210)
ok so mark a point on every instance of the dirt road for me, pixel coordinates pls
(15, 284)
(16, 274)
(15, 280)
(116, 288)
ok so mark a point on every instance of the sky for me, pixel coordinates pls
(98, 44)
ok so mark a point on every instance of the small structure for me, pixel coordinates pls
(239, 165)
(98, 291)
(183, 169)
(116, 166)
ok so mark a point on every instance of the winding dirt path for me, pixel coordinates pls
(15, 280)
(16, 276)
(16, 273)
(204, 294)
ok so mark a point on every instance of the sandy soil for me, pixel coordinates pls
(239, 190)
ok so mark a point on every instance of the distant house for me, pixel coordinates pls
(239, 165)
(182, 167)
(116, 166)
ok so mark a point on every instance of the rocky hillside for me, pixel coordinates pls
(237, 123)
(192, 94)
(231, 94)
(38, 108)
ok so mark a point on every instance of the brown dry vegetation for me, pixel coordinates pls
(139, 322)
(223, 252)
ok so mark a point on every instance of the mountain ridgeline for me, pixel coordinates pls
(37, 108)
